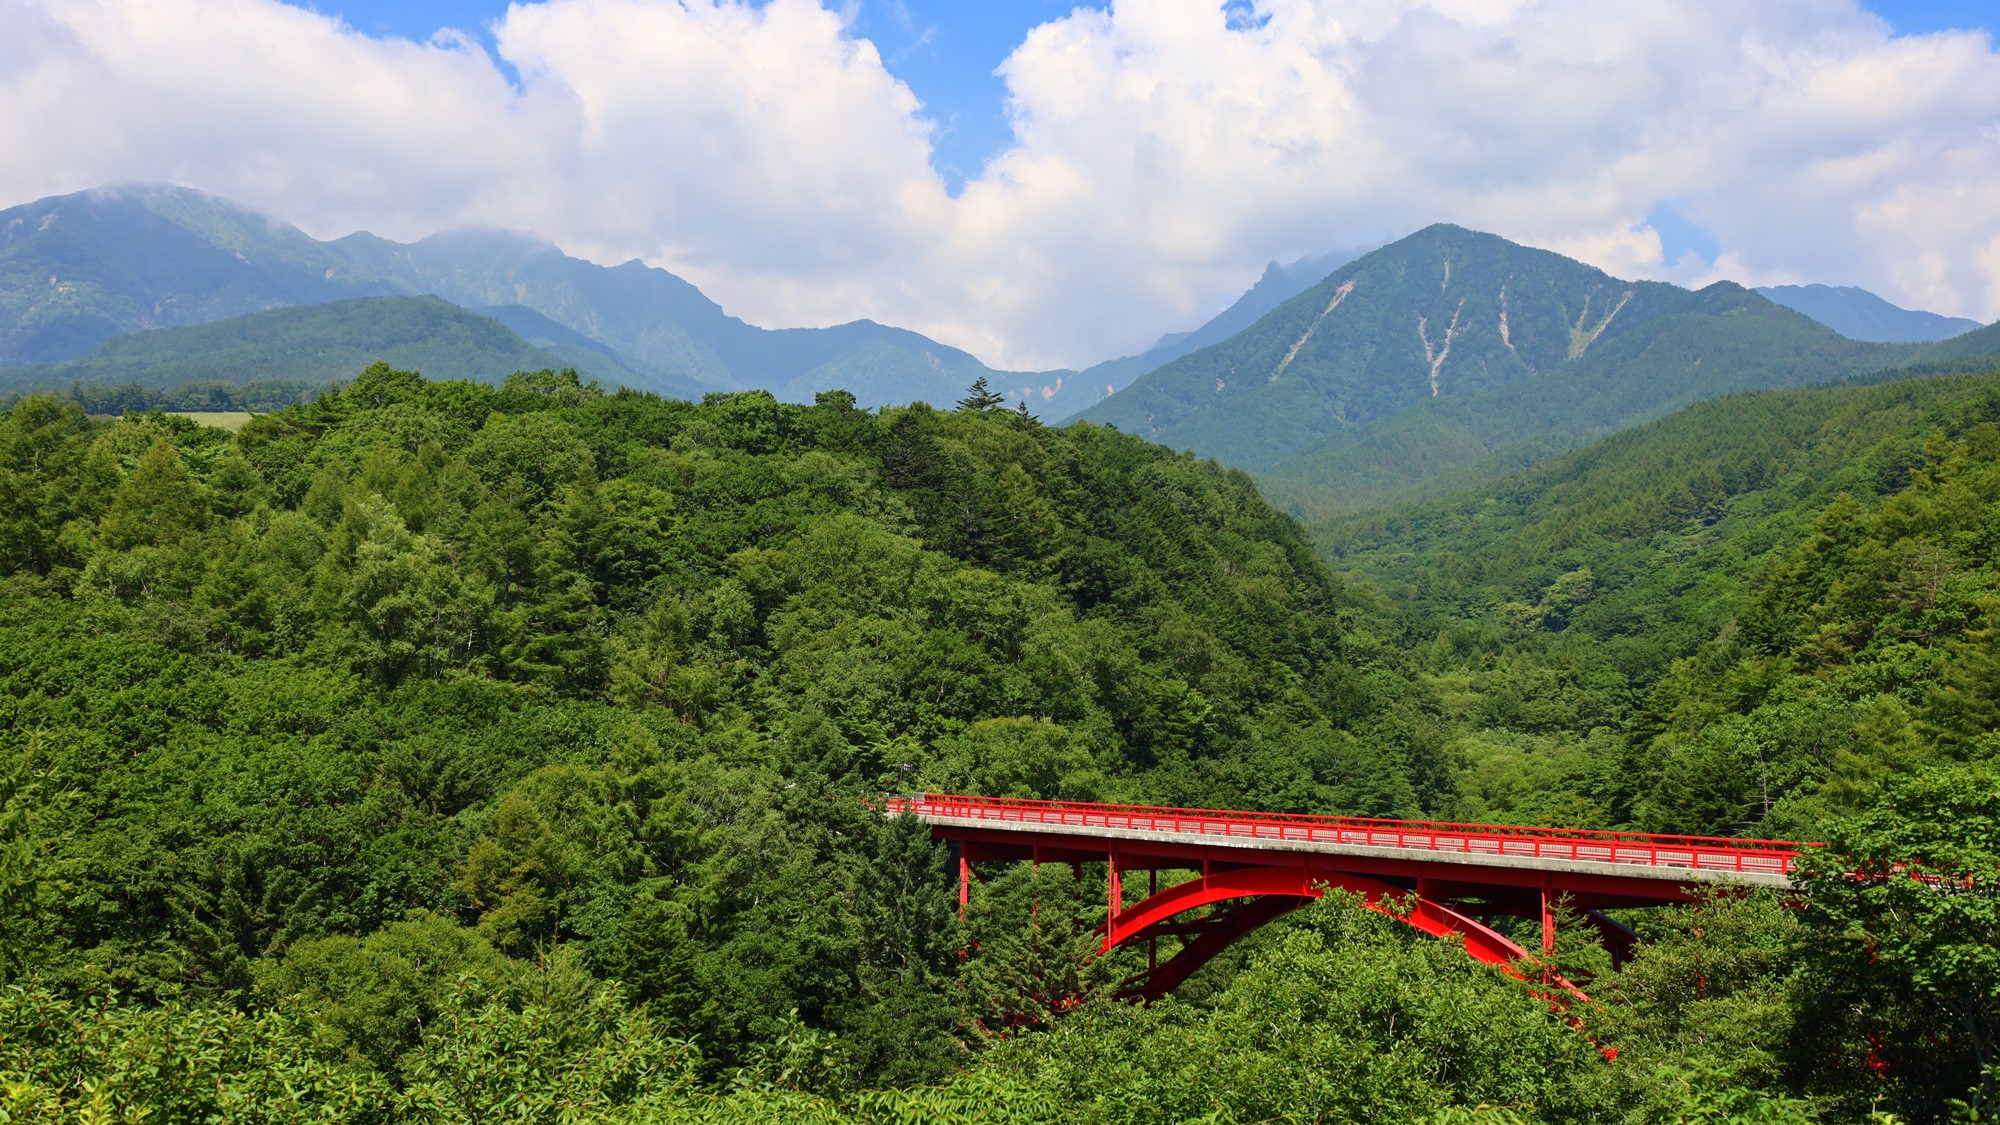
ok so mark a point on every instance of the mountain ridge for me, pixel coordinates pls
(1860, 315)
(1399, 352)
(1278, 283)
(77, 269)
(319, 344)
(1451, 349)
(629, 322)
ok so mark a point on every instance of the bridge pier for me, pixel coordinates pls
(1548, 915)
(1152, 940)
(1115, 889)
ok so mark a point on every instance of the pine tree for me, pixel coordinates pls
(157, 504)
(980, 397)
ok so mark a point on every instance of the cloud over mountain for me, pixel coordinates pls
(1164, 150)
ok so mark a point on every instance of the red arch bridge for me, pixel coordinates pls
(1448, 880)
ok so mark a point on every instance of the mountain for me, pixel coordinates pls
(1729, 340)
(310, 344)
(77, 269)
(1978, 344)
(1278, 284)
(577, 350)
(1861, 315)
(1453, 350)
(662, 326)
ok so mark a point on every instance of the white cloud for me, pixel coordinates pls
(1161, 155)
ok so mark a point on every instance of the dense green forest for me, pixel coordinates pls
(1746, 598)
(199, 396)
(436, 751)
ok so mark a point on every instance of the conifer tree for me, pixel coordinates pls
(980, 397)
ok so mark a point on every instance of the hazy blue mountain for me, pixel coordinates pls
(78, 269)
(1452, 351)
(1077, 391)
(316, 344)
(1861, 315)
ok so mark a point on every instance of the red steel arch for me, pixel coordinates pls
(1264, 893)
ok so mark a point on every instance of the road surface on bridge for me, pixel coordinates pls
(1674, 859)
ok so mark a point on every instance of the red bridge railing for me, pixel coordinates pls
(1708, 853)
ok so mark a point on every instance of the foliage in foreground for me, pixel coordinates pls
(1345, 1016)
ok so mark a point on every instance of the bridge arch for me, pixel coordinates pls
(1253, 896)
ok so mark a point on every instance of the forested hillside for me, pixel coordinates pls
(1730, 340)
(437, 751)
(1726, 621)
(312, 345)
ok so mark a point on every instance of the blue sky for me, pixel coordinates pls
(946, 52)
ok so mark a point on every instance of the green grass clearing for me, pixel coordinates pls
(231, 420)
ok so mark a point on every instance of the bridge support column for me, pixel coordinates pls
(964, 883)
(1115, 890)
(1152, 939)
(1618, 939)
(1548, 915)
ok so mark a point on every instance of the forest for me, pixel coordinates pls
(433, 751)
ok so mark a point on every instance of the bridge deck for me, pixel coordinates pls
(1680, 860)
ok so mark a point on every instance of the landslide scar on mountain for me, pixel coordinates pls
(1436, 357)
(1506, 337)
(1339, 295)
(1446, 283)
(1580, 340)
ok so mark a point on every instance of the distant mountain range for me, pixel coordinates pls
(1341, 380)
(1454, 352)
(77, 270)
(1861, 315)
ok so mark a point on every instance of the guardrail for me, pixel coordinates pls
(1706, 853)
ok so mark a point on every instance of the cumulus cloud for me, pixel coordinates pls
(1806, 139)
(1163, 150)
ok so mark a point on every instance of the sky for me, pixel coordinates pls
(1045, 184)
(947, 51)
